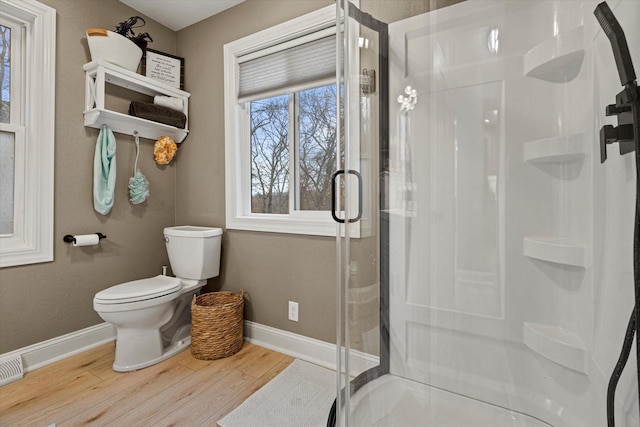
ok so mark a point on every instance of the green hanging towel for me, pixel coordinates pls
(104, 171)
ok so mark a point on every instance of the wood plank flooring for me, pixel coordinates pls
(180, 391)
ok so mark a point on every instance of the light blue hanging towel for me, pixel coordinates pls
(104, 171)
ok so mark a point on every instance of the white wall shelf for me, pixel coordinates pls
(126, 124)
(555, 249)
(557, 344)
(558, 149)
(557, 59)
(98, 73)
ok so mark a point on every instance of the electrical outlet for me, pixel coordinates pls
(293, 311)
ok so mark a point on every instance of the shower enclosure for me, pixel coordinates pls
(486, 277)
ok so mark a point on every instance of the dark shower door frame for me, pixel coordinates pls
(382, 368)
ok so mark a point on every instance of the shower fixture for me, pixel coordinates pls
(627, 106)
(627, 134)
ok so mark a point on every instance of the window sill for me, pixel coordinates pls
(283, 224)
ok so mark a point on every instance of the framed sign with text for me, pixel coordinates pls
(164, 67)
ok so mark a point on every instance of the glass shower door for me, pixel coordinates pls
(494, 284)
(362, 73)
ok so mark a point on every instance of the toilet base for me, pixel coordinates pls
(168, 352)
(140, 348)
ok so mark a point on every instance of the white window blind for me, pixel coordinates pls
(292, 69)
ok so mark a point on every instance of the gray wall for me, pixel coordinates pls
(272, 268)
(394, 10)
(43, 301)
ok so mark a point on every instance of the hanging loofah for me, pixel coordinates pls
(138, 183)
(138, 188)
(164, 149)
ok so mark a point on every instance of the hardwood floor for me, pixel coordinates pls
(181, 391)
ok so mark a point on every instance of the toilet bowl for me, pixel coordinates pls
(152, 316)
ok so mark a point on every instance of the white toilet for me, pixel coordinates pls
(153, 316)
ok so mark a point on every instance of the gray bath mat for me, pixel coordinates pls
(301, 395)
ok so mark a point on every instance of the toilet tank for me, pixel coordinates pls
(194, 252)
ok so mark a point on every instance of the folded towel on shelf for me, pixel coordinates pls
(169, 102)
(158, 113)
(104, 171)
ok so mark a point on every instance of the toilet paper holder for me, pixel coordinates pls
(71, 239)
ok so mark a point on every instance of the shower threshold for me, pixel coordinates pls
(395, 401)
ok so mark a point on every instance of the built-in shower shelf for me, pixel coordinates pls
(558, 149)
(556, 250)
(557, 59)
(557, 344)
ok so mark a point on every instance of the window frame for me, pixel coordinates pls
(237, 138)
(32, 242)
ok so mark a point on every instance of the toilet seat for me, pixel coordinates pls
(139, 290)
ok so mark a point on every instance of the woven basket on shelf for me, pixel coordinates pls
(216, 324)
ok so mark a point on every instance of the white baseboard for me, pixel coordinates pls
(309, 349)
(46, 352)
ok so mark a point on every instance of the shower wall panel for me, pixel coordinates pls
(510, 265)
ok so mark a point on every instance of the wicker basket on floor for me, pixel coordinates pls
(216, 324)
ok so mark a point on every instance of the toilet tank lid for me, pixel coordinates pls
(152, 287)
(192, 231)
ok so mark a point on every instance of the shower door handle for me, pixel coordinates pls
(333, 195)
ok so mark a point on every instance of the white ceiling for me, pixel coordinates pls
(178, 14)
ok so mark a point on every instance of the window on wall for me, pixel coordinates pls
(293, 135)
(26, 132)
(12, 130)
(281, 121)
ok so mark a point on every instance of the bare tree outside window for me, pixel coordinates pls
(317, 147)
(5, 73)
(7, 139)
(315, 159)
(270, 155)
